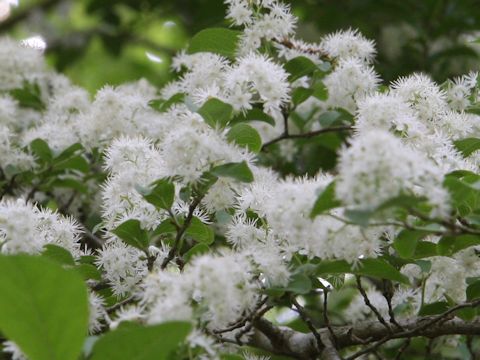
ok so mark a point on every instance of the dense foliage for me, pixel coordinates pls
(276, 199)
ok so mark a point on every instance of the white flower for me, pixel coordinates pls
(378, 166)
(350, 81)
(25, 228)
(348, 43)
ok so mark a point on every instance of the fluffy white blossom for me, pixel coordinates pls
(378, 166)
(24, 228)
(350, 81)
(348, 43)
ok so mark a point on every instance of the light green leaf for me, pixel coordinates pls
(216, 40)
(200, 232)
(43, 307)
(131, 233)
(58, 254)
(245, 136)
(156, 342)
(216, 113)
(237, 171)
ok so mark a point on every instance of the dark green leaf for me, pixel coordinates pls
(216, 40)
(325, 201)
(467, 146)
(216, 113)
(196, 250)
(245, 136)
(43, 307)
(162, 194)
(131, 233)
(449, 245)
(320, 91)
(156, 342)
(299, 67)
(433, 308)
(41, 150)
(406, 242)
(29, 96)
(301, 94)
(473, 291)
(299, 284)
(377, 268)
(237, 171)
(254, 114)
(163, 105)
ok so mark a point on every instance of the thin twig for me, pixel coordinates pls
(326, 319)
(307, 135)
(370, 305)
(306, 319)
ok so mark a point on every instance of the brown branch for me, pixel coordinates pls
(180, 232)
(304, 316)
(307, 135)
(285, 341)
(370, 305)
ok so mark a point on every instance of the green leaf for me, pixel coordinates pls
(299, 284)
(74, 163)
(433, 308)
(200, 231)
(216, 40)
(131, 233)
(196, 250)
(216, 113)
(377, 268)
(70, 151)
(70, 184)
(41, 150)
(88, 272)
(156, 342)
(58, 254)
(467, 146)
(406, 242)
(473, 291)
(29, 96)
(254, 114)
(43, 307)
(300, 94)
(299, 67)
(320, 91)
(465, 195)
(449, 245)
(245, 136)
(425, 249)
(162, 194)
(358, 216)
(237, 171)
(325, 201)
(165, 227)
(163, 105)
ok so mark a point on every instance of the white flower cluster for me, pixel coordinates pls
(252, 79)
(262, 20)
(24, 228)
(212, 289)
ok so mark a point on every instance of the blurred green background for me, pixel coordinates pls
(97, 42)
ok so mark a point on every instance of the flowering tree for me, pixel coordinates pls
(159, 224)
